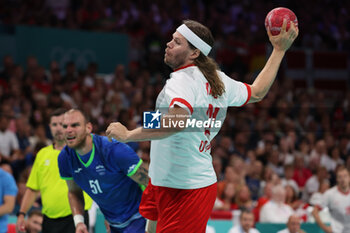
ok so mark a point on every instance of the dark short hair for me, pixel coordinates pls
(245, 211)
(342, 168)
(35, 212)
(57, 112)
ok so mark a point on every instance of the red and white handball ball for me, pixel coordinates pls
(274, 19)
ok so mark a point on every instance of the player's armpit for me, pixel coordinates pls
(72, 186)
(141, 175)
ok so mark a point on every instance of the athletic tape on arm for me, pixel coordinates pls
(78, 218)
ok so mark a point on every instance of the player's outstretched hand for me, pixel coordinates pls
(285, 39)
(81, 228)
(117, 131)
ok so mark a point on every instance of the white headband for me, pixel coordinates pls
(194, 39)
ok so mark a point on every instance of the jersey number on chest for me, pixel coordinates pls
(95, 186)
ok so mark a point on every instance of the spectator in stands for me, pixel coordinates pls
(286, 147)
(265, 145)
(301, 173)
(238, 166)
(243, 198)
(39, 136)
(23, 131)
(269, 176)
(26, 109)
(226, 143)
(263, 199)
(344, 142)
(240, 142)
(9, 147)
(320, 153)
(313, 183)
(34, 221)
(304, 149)
(293, 225)
(335, 157)
(292, 197)
(275, 210)
(254, 177)
(226, 201)
(231, 176)
(288, 178)
(246, 220)
(274, 163)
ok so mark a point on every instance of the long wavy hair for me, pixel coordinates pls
(206, 64)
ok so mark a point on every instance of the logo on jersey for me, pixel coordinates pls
(100, 169)
(47, 162)
(78, 170)
(151, 120)
(131, 168)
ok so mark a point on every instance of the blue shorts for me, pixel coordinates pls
(136, 226)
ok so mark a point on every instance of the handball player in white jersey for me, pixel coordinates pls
(337, 199)
(182, 188)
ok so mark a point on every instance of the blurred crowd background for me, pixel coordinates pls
(295, 138)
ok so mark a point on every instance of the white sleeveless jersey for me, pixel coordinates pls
(183, 160)
(339, 208)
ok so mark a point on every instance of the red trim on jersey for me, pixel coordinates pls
(183, 101)
(184, 67)
(345, 193)
(249, 94)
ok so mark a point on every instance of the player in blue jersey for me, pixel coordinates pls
(110, 172)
